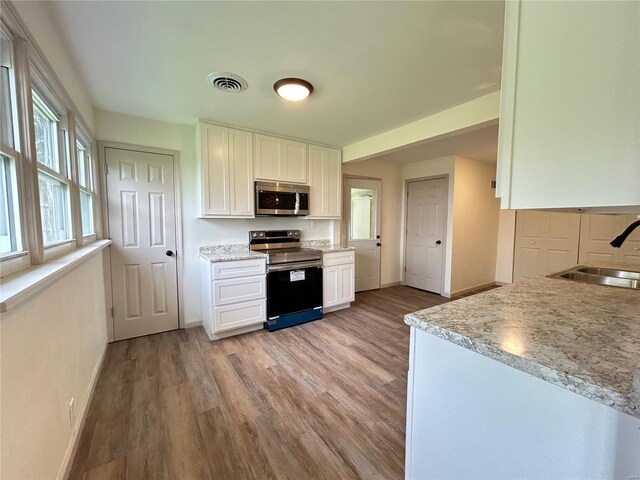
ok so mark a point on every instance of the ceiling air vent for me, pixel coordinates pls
(228, 82)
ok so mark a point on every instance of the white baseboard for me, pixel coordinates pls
(501, 284)
(192, 324)
(471, 289)
(392, 284)
(65, 468)
(335, 308)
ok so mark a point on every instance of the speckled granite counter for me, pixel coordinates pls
(325, 245)
(229, 253)
(585, 338)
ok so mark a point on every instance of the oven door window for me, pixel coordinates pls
(295, 290)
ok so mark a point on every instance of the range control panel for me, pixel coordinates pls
(273, 234)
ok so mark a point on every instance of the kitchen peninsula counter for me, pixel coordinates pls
(582, 337)
(538, 379)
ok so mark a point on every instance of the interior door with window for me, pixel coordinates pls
(140, 199)
(426, 236)
(362, 217)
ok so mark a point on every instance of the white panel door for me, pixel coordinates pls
(546, 242)
(362, 200)
(140, 198)
(426, 235)
(598, 230)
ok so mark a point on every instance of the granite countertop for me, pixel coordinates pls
(585, 338)
(325, 246)
(229, 253)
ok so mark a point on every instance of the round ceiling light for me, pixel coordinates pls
(293, 89)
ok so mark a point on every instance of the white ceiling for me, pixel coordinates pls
(480, 144)
(374, 65)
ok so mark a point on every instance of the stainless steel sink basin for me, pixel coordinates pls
(610, 272)
(601, 276)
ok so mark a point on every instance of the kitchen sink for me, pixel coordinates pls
(610, 272)
(601, 276)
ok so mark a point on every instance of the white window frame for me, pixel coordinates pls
(21, 258)
(66, 175)
(87, 144)
(32, 72)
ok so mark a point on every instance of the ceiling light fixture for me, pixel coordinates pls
(293, 89)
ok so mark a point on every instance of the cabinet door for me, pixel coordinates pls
(570, 105)
(331, 287)
(214, 156)
(598, 230)
(241, 191)
(236, 315)
(267, 160)
(293, 161)
(546, 242)
(325, 182)
(347, 283)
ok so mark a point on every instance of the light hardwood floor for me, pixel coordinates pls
(320, 400)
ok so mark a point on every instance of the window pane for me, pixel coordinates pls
(86, 210)
(84, 167)
(7, 103)
(10, 240)
(363, 214)
(54, 209)
(46, 126)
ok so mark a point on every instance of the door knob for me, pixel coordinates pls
(169, 253)
(438, 242)
(378, 244)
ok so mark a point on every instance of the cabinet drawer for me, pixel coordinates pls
(240, 289)
(338, 258)
(240, 268)
(229, 317)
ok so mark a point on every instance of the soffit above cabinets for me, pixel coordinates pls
(374, 65)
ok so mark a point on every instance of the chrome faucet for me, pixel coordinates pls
(619, 240)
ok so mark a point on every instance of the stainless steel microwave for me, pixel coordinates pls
(285, 199)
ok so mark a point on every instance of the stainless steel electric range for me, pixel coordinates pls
(294, 277)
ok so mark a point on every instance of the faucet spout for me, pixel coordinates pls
(619, 240)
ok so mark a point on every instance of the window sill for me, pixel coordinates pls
(18, 287)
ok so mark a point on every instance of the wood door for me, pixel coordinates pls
(426, 233)
(362, 215)
(546, 242)
(140, 199)
(598, 230)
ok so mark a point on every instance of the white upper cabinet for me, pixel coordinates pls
(280, 160)
(325, 182)
(570, 106)
(226, 171)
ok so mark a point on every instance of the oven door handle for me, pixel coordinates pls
(292, 266)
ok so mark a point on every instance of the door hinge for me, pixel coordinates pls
(112, 314)
(106, 168)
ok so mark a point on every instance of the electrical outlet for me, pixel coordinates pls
(72, 412)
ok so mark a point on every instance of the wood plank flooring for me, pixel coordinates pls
(320, 400)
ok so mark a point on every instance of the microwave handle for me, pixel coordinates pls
(297, 206)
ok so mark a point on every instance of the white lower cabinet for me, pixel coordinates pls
(234, 296)
(338, 280)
